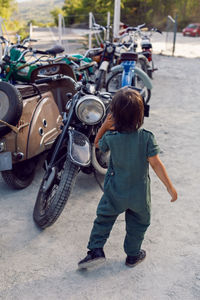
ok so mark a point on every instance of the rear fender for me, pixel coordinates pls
(137, 71)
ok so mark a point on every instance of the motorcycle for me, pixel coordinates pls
(15, 67)
(19, 62)
(146, 47)
(73, 151)
(30, 122)
(104, 56)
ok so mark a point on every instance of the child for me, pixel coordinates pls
(127, 182)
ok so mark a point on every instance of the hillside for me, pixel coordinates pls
(38, 10)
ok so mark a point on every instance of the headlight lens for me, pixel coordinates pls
(2, 146)
(90, 110)
(110, 49)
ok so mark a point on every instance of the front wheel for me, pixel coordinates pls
(54, 193)
(114, 83)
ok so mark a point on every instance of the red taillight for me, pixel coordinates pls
(79, 77)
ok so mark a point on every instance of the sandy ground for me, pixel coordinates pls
(43, 264)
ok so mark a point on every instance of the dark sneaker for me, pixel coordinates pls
(132, 261)
(94, 258)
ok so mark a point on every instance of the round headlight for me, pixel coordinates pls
(110, 49)
(90, 110)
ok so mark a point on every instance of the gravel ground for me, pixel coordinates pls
(43, 264)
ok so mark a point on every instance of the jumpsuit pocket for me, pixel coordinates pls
(108, 178)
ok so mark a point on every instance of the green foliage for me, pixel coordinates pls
(134, 12)
(7, 7)
(55, 12)
(23, 32)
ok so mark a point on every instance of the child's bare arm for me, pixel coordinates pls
(161, 172)
(108, 124)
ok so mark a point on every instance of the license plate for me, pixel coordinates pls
(5, 161)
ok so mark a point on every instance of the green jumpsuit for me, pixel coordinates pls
(126, 188)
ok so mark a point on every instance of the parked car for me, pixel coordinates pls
(192, 30)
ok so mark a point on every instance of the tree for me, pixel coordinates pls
(7, 7)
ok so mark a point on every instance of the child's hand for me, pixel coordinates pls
(108, 124)
(173, 193)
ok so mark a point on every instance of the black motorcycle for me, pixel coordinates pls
(104, 56)
(73, 150)
(106, 62)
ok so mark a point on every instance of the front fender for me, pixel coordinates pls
(79, 149)
(138, 71)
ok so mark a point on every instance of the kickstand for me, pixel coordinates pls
(97, 180)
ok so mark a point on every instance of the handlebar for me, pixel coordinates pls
(46, 79)
(3, 39)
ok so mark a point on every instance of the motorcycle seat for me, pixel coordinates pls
(57, 49)
(130, 56)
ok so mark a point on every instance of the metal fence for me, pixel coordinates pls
(93, 36)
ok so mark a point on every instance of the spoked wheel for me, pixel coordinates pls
(150, 71)
(114, 83)
(143, 65)
(53, 194)
(144, 91)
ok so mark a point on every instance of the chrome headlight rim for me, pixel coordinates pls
(110, 49)
(89, 98)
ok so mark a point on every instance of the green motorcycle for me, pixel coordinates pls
(20, 62)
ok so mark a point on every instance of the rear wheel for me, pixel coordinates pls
(143, 65)
(53, 194)
(10, 106)
(114, 83)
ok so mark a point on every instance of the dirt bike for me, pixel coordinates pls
(73, 151)
(30, 121)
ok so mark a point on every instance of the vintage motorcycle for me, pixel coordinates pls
(30, 122)
(19, 62)
(73, 151)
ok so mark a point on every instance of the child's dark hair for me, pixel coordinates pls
(127, 109)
